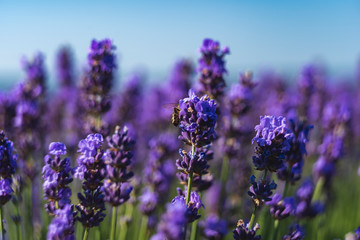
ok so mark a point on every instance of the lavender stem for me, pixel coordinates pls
(86, 232)
(113, 223)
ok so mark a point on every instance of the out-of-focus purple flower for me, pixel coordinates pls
(62, 226)
(197, 120)
(261, 191)
(273, 139)
(97, 83)
(118, 159)
(8, 167)
(172, 222)
(65, 67)
(295, 233)
(357, 233)
(240, 94)
(180, 80)
(305, 208)
(214, 228)
(294, 159)
(281, 208)
(148, 201)
(193, 206)
(242, 231)
(57, 176)
(212, 68)
(90, 168)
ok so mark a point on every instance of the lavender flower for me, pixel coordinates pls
(305, 208)
(214, 228)
(57, 176)
(117, 159)
(295, 233)
(273, 139)
(193, 206)
(212, 68)
(261, 191)
(281, 208)
(65, 67)
(62, 226)
(90, 166)
(98, 81)
(197, 120)
(294, 159)
(7, 168)
(172, 222)
(243, 232)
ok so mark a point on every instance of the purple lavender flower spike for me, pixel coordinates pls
(212, 68)
(8, 167)
(281, 208)
(197, 120)
(192, 207)
(97, 83)
(57, 177)
(172, 222)
(242, 231)
(305, 208)
(90, 168)
(65, 67)
(62, 226)
(295, 233)
(261, 191)
(117, 159)
(273, 139)
(214, 228)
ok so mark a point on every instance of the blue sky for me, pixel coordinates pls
(283, 35)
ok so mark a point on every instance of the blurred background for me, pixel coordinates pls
(152, 35)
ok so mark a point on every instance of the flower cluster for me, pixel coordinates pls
(57, 177)
(281, 208)
(214, 228)
(90, 167)
(62, 226)
(294, 159)
(197, 120)
(261, 191)
(244, 232)
(98, 81)
(117, 159)
(212, 68)
(295, 233)
(193, 207)
(305, 207)
(172, 222)
(158, 172)
(7, 168)
(273, 139)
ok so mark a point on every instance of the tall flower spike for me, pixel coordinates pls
(273, 139)
(90, 166)
(98, 82)
(193, 206)
(197, 118)
(117, 159)
(261, 191)
(7, 168)
(57, 176)
(212, 68)
(172, 222)
(62, 226)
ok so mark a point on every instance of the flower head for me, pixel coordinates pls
(244, 232)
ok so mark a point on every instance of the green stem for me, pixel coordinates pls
(252, 219)
(18, 226)
(56, 204)
(113, 223)
(286, 187)
(276, 229)
(143, 228)
(193, 230)
(265, 174)
(124, 226)
(223, 179)
(1, 223)
(86, 233)
(318, 189)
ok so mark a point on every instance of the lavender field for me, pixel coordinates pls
(195, 157)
